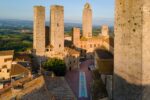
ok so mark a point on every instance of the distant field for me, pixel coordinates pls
(17, 42)
(17, 35)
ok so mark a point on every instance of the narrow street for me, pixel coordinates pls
(72, 78)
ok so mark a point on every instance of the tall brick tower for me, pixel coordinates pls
(57, 27)
(39, 30)
(87, 21)
(132, 50)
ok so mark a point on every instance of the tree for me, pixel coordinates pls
(55, 65)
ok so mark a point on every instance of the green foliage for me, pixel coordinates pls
(56, 65)
(17, 42)
(96, 31)
(98, 88)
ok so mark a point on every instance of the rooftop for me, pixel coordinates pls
(18, 69)
(57, 7)
(6, 53)
(104, 54)
(72, 51)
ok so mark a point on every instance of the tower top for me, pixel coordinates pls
(39, 6)
(57, 7)
(87, 5)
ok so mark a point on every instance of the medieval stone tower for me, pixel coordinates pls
(57, 28)
(39, 30)
(87, 21)
(76, 36)
(132, 50)
(105, 30)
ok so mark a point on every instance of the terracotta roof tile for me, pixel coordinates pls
(17, 69)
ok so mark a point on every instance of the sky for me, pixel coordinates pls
(103, 10)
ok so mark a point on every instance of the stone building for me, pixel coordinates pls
(72, 58)
(6, 58)
(39, 30)
(81, 44)
(103, 61)
(9, 68)
(132, 49)
(87, 43)
(87, 21)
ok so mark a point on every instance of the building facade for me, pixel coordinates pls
(6, 58)
(10, 69)
(84, 41)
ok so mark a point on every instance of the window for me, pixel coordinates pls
(59, 45)
(5, 60)
(47, 49)
(94, 45)
(8, 70)
(4, 66)
(90, 45)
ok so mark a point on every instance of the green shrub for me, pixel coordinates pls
(56, 65)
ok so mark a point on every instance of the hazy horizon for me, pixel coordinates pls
(103, 11)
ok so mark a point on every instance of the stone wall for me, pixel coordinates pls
(146, 50)
(5, 66)
(132, 49)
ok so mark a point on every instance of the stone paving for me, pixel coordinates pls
(72, 78)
